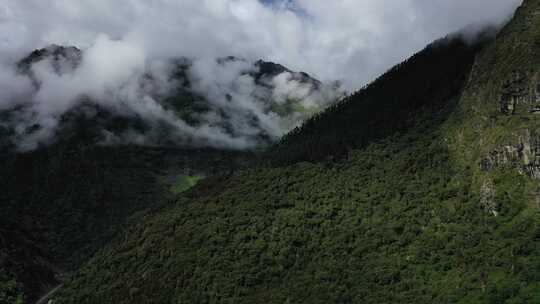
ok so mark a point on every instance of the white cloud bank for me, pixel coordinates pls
(240, 111)
(354, 40)
(348, 40)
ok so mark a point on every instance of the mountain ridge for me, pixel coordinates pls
(64, 200)
(176, 103)
(406, 215)
(422, 187)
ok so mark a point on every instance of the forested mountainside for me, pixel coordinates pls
(168, 104)
(421, 188)
(428, 82)
(67, 198)
(63, 203)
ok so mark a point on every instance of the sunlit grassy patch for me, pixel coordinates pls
(185, 182)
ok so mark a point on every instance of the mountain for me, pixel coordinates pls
(171, 103)
(63, 203)
(420, 188)
(66, 198)
(61, 57)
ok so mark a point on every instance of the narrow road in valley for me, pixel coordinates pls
(48, 296)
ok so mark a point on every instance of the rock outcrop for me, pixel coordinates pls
(520, 93)
(523, 155)
(487, 197)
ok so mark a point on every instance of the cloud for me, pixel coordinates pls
(353, 40)
(13, 88)
(117, 75)
(125, 40)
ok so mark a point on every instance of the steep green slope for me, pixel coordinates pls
(394, 224)
(389, 105)
(431, 197)
(65, 200)
(61, 204)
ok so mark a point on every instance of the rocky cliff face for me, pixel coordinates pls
(524, 155)
(521, 93)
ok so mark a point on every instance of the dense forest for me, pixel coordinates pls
(422, 187)
(419, 188)
(69, 197)
(107, 188)
(424, 83)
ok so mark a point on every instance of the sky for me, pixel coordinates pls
(349, 40)
(123, 41)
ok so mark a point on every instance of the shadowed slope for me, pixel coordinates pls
(410, 215)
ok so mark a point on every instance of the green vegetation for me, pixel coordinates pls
(60, 205)
(381, 199)
(396, 222)
(10, 291)
(185, 182)
(291, 106)
(425, 82)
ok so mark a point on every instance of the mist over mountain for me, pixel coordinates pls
(223, 103)
(351, 41)
(270, 151)
(127, 60)
(421, 187)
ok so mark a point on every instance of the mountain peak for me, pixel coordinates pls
(427, 178)
(56, 53)
(187, 98)
(52, 51)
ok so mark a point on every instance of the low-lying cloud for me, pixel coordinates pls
(124, 41)
(350, 40)
(240, 111)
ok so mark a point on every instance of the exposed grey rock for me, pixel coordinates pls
(487, 197)
(514, 91)
(62, 59)
(535, 110)
(523, 155)
(520, 92)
